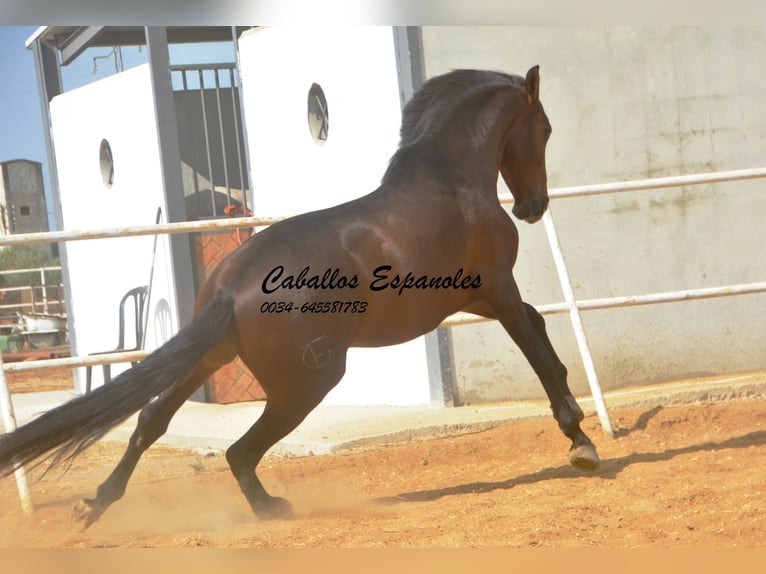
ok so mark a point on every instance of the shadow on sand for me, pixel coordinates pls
(609, 469)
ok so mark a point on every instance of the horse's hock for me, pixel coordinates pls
(233, 382)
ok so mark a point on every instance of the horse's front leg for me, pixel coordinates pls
(539, 324)
(529, 334)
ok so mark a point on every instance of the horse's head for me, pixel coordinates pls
(523, 161)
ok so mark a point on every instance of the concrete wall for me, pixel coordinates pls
(292, 173)
(630, 103)
(119, 110)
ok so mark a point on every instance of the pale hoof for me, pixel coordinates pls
(585, 457)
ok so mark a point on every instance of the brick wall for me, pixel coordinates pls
(233, 382)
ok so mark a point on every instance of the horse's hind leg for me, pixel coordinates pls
(290, 399)
(152, 423)
(539, 324)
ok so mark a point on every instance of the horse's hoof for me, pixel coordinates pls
(85, 513)
(274, 508)
(585, 457)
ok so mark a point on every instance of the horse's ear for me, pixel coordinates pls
(533, 84)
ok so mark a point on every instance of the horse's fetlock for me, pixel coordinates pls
(568, 422)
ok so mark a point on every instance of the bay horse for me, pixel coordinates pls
(431, 240)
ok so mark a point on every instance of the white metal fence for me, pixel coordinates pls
(45, 297)
(570, 305)
(573, 306)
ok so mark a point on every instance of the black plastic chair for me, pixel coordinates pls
(138, 294)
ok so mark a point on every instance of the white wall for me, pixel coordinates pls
(118, 109)
(629, 103)
(291, 173)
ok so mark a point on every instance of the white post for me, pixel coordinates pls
(45, 290)
(579, 330)
(9, 421)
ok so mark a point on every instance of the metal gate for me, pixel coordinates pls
(211, 140)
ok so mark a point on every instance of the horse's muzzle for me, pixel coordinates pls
(530, 210)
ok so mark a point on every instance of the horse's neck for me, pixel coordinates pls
(466, 140)
(501, 110)
(476, 134)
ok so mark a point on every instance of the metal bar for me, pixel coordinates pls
(408, 46)
(222, 134)
(9, 422)
(90, 360)
(195, 67)
(147, 303)
(17, 289)
(247, 181)
(79, 41)
(32, 270)
(577, 325)
(49, 85)
(654, 183)
(661, 182)
(672, 296)
(44, 290)
(136, 230)
(237, 128)
(29, 288)
(193, 162)
(181, 256)
(207, 141)
(627, 301)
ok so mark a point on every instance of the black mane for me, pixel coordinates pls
(439, 94)
(425, 112)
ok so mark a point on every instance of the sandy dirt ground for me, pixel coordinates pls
(689, 476)
(40, 381)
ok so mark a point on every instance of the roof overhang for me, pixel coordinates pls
(71, 41)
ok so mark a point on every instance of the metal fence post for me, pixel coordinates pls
(579, 330)
(9, 422)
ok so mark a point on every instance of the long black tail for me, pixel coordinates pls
(77, 424)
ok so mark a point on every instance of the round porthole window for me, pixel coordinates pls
(106, 163)
(318, 114)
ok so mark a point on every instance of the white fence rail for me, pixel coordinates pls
(136, 230)
(44, 287)
(571, 304)
(628, 301)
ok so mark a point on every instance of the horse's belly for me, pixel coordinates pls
(394, 324)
